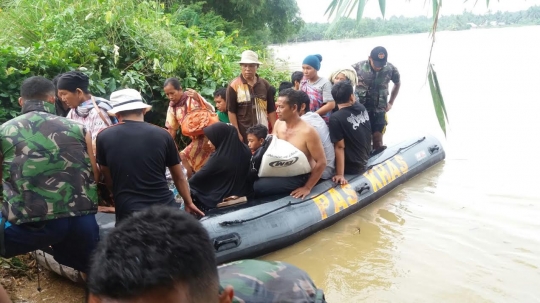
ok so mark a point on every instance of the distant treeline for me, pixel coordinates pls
(347, 28)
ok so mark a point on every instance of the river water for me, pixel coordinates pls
(468, 229)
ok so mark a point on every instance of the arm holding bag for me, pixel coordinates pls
(196, 120)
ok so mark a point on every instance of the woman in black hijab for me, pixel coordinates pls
(226, 172)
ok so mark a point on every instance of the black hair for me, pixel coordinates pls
(272, 91)
(297, 77)
(260, 131)
(222, 92)
(37, 88)
(174, 82)
(294, 97)
(73, 80)
(305, 100)
(134, 112)
(284, 85)
(342, 91)
(156, 248)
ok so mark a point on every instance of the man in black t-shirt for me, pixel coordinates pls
(350, 131)
(133, 156)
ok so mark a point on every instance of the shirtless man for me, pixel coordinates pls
(290, 127)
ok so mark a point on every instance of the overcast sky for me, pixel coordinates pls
(313, 10)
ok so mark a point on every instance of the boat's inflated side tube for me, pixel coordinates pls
(257, 230)
(259, 227)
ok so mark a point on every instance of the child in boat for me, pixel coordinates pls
(256, 135)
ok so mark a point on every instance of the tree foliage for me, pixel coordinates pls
(259, 21)
(346, 28)
(118, 43)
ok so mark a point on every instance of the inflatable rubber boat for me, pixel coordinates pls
(261, 226)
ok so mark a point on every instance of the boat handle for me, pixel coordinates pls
(433, 149)
(364, 187)
(227, 239)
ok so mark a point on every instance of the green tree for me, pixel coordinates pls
(260, 21)
(118, 43)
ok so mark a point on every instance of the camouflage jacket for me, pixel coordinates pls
(46, 170)
(257, 281)
(372, 88)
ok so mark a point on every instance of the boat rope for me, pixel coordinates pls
(290, 203)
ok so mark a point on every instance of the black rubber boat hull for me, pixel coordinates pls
(265, 225)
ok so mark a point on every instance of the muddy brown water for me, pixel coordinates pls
(467, 230)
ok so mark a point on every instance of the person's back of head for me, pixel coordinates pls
(342, 91)
(304, 107)
(160, 254)
(284, 85)
(297, 76)
(38, 88)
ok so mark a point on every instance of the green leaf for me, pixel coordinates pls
(382, 5)
(435, 7)
(331, 7)
(438, 102)
(361, 6)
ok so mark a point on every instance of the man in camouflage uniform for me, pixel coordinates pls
(374, 75)
(48, 170)
(261, 281)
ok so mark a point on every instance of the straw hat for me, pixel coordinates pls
(249, 57)
(127, 99)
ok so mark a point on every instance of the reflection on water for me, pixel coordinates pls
(466, 230)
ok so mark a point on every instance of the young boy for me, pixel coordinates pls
(256, 135)
(221, 105)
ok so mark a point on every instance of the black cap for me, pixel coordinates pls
(379, 56)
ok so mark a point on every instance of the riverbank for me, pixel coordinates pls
(18, 276)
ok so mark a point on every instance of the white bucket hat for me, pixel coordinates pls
(249, 57)
(127, 99)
